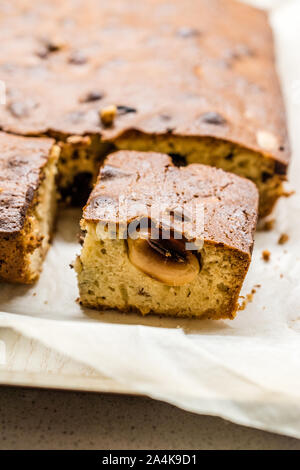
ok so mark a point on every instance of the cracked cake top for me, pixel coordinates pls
(131, 184)
(192, 68)
(21, 162)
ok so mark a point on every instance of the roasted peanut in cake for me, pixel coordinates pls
(195, 79)
(166, 240)
(27, 204)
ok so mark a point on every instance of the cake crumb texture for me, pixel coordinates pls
(107, 277)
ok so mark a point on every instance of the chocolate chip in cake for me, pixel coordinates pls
(213, 118)
(125, 109)
(110, 172)
(81, 237)
(54, 45)
(280, 168)
(78, 191)
(142, 292)
(75, 155)
(49, 46)
(265, 176)
(165, 117)
(178, 159)
(91, 96)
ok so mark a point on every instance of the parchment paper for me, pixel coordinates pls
(246, 370)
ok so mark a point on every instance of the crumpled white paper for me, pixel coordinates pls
(246, 370)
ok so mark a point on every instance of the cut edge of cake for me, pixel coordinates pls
(264, 170)
(24, 241)
(108, 279)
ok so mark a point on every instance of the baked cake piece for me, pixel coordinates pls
(78, 167)
(166, 240)
(27, 204)
(194, 79)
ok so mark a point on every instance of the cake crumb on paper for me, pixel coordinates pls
(289, 193)
(248, 298)
(267, 226)
(266, 255)
(283, 239)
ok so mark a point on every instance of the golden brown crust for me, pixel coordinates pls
(142, 179)
(209, 314)
(15, 249)
(21, 163)
(193, 68)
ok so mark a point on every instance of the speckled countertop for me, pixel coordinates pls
(40, 419)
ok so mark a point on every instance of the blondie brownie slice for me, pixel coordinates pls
(166, 240)
(27, 204)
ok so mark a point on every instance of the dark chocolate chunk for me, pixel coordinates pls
(142, 292)
(280, 168)
(178, 159)
(53, 46)
(213, 118)
(92, 96)
(165, 117)
(110, 172)
(81, 237)
(48, 47)
(265, 176)
(75, 155)
(170, 130)
(125, 109)
(78, 191)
